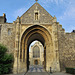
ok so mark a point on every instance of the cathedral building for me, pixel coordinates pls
(36, 54)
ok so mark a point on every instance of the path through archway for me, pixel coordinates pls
(33, 33)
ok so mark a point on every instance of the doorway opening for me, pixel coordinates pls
(36, 62)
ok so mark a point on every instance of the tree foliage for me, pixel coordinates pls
(6, 60)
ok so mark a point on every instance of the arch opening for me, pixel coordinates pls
(32, 38)
(33, 33)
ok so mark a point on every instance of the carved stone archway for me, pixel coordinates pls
(36, 32)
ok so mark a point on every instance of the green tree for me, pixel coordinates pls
(6, 60)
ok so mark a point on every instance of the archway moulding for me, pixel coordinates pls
(35, 25)
(42, 34)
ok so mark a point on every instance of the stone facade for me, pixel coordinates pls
(8, 39)
(40, 57)
(67, 50)
(37, 24)
(0, 32)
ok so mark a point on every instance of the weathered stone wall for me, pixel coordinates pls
(0, 33)
(69, 46)
(66, 49)
(43, 15)
(8, 37)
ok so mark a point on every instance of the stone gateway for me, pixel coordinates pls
(37, 24)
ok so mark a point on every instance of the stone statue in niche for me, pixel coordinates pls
(36, 16)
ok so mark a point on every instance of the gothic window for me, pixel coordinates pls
(36, 52)
(36, 16)
(9, 31)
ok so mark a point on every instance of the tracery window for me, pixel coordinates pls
(36, 52)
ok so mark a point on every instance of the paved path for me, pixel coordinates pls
(36, 69)
(61, 73)
(15, 74)
(37, 73)
(40, 73)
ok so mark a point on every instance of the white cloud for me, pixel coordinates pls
(68, 18)
(19, 12)
(56, 1)
(70, 28)
(52, 1)
(69, 13)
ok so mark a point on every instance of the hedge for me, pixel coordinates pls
(70, 70)
(6, 60)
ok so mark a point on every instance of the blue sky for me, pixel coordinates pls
(64, 10)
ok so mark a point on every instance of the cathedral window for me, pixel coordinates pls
(36, 52)
(36, 16)
(9, 31)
